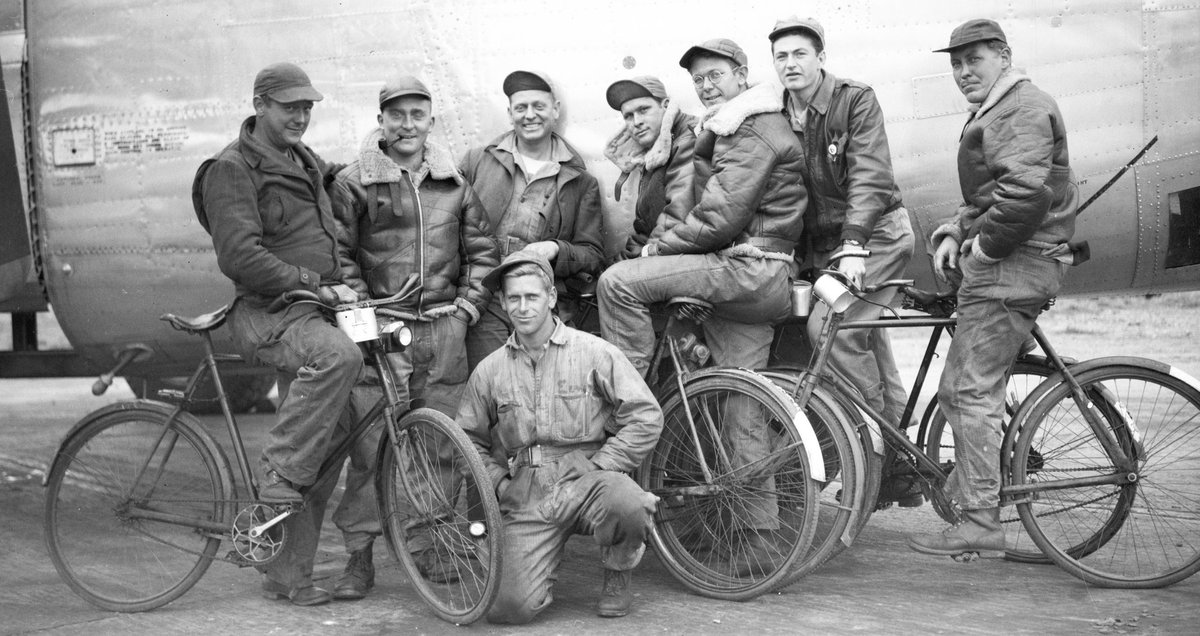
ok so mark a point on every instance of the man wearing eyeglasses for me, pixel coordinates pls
(733, 249)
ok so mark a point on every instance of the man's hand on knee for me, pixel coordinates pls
(576, 464)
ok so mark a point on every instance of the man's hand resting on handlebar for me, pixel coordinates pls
(336, 294)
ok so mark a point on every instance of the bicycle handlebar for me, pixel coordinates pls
(411, 285)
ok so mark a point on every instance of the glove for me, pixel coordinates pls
(574, 465)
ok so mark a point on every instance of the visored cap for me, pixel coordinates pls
(285, 83)
(402, 85)
(624, 90)
(972, 31)
(495, 278)
(518, 81)
(723, 47)
(793, 24)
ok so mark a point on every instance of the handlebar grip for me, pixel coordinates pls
(289, 297)
(101, 385)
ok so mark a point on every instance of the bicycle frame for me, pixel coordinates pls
(821, 371)
(387, 404)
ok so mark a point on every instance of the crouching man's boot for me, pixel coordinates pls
(615, 596)
(358, 578)
(979, 531)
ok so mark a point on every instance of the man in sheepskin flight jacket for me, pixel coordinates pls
(403, 209)
(654, 152)
(733, 249)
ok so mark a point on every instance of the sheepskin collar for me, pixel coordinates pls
(1003, 85)
(624, 151)
(724, 119)
(377, 167)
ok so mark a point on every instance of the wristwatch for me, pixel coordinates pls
(854, 242)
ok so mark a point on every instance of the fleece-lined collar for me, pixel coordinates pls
(1005, 83)
(624, 151)
(377, 167)
(724, 119)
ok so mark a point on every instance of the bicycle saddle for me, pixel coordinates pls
(203, 322)
(686, 307)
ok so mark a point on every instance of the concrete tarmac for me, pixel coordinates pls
(877, 586)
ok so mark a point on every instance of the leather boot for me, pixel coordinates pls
(358, 578)
(615, 596)
(979, 531)
(303, 596)
(277, 489)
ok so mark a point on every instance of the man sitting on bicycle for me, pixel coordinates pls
(573, 417)
(403, 208)
(1009, 242)
(263, 200)
(734, 248)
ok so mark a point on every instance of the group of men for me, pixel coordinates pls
(728, 207)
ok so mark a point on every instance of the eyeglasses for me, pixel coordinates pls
(713, 77)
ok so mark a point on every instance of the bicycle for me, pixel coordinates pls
(1099, 458)
(932, 433)
(705, 490)
(140, 495)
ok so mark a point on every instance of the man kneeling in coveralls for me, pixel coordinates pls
(573, 416)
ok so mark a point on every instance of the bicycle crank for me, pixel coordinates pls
(258, 536)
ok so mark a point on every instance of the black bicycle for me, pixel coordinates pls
(140, 495)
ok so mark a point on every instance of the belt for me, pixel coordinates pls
(510, 244)
(771, 244)
(538, 455)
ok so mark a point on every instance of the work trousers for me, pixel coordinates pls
(998, 304)
(864, 356)
(300, 342)
(747, 294)
(541, 512)
(294, 565)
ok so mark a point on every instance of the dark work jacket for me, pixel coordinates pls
(848, 165)
(435, 229)
(573, 219)
(271, 221)
(664, 190)
(747, 186)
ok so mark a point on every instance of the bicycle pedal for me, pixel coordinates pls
(975, 555)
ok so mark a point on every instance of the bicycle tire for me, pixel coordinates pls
(1143, 533)
(695, 535)
(1027, 373)
(108, 554)
(436, 502)
(842, 495)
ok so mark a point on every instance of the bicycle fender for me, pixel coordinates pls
(812, 446)
(162, 408)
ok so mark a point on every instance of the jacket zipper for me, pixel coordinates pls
(420, 244)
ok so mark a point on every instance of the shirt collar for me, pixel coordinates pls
(557, 337)
(558, 149)
(824, 94)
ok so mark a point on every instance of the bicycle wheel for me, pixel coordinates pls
(842, 493)
(133, 506)
(440, 515)
(737, 531)
(1142, 529)
(1027, 373)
